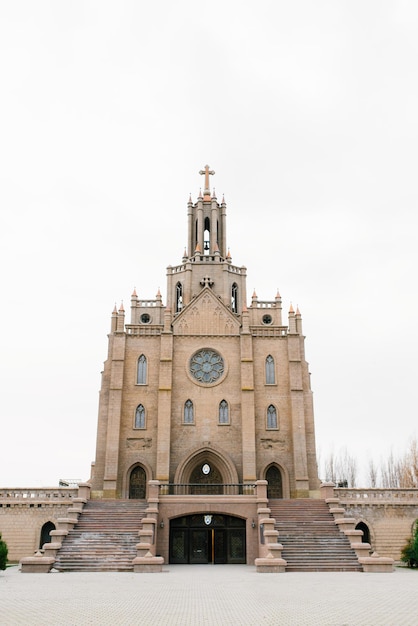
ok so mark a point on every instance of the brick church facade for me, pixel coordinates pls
(205, 388)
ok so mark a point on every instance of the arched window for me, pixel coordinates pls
(206, 236)
(142, 370)
(140, 416)
(188, 417)
(234, 298)
(272, 417)
(270, 373)
(179, 297)
(223, 412)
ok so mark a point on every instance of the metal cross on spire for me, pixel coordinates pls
(206, 172)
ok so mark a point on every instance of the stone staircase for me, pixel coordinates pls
(311, 540)
(104, 539)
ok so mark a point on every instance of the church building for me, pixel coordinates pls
(206, 394)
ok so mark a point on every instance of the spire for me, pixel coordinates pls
(206, 172)
(291, 308)
(134, 294)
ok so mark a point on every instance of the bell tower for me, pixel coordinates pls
(207, 222)
(206, 261)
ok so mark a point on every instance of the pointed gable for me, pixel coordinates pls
(206, 315)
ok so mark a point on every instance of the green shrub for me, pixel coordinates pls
(410, 552)
(3, 554)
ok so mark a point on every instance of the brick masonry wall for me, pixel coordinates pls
(390, 525)
(21, 524)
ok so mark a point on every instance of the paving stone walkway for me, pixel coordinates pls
(209, 594)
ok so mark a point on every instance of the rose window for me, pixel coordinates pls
(207, 366)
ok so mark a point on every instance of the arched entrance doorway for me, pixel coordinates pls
(275, 485)
(207, 538)
(366, 532)
(46, 533)
(137, 483)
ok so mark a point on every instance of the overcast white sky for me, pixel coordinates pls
(307, 111)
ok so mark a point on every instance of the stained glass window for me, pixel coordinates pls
(271, 417)
(223, 412)
(142, 370)
(207, 366)
(188, 412)
(140, 416)
(270, 374)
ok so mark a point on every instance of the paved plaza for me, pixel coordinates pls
(209, 594)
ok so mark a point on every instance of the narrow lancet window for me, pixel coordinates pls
(142, 370)
(179, 297)
(140, 416)
(206, 236)
(270, 373)
(272, 417)
(223, 412)
(234, 298)
(188, 417)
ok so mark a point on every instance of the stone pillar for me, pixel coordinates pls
(247, 410)
(269, 560)
(114, 415)
(146, 560)
(164, 407)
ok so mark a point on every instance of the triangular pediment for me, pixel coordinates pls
(206, 315)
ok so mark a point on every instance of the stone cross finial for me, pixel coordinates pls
(206, 172)
(206, 281)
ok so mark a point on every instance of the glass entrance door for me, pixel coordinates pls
(200, 544)
(207, 539)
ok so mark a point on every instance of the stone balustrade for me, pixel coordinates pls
(377, 495)
(43, 493)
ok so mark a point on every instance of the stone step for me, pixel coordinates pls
(105, 537)
(311, 540)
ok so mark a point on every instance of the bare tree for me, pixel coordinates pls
(347, 468)
(372, 473)
(389, 471)
(408, 467)
(330, 469)
(341, 468)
